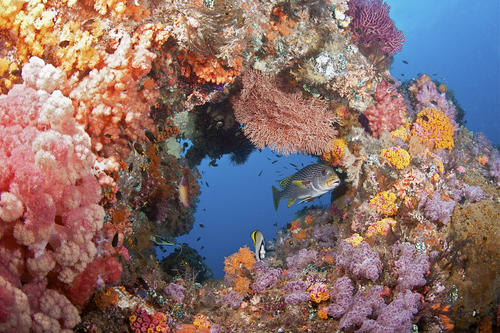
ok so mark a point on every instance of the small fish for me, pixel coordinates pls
(273, 162)
(402, 74)
(213, 163)
(64, 43)
(184, 191)
(151, 137)
(116, 237)
(159, 240)
(202, 247)
(109, 136)
(306, 184)
(294, 165)
(184, 146)
(198, 239)
(259, 244)
(138, 148)
(405, 62)
(434, 74)
(206, 183)
(204, 209)
(202, 225)
(275, 224)
(260, 173)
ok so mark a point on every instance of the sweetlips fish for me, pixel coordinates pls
(306, 184)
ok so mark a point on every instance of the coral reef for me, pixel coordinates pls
(96, 181)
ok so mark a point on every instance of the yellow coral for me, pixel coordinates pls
(8, 12)
(9, 74)
(322, 313)
(434, 126)
(381, 227)
(76, 47)
(318, 292)
(34, 27)
(337, 153)
(483, 159)
(402, 132)
(355, 239)
(201, 321)
(384, 203)
(396, 156)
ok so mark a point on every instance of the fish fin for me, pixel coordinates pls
(301, 183)
(276, 197)
(253, 237)
(285, 181)
(290, 202)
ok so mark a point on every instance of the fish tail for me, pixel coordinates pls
(276, 197)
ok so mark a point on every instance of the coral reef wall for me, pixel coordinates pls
(95, 178)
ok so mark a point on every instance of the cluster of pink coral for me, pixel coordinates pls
(390, 111)
(49, 210)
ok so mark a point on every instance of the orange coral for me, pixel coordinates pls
(435, 127)
(190, 328)
(109, 101)
(106, 298)
(244, 258)
(208, 69)
(237, 265)
(322, 313)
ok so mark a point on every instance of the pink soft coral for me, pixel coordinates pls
(49, 210)
(390, 111)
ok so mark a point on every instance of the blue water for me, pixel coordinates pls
(457, 40)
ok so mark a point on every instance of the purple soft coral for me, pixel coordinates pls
(410, 266)
(360, 260)
(266, 279)
(297, 292)
(436, 208)
(474, 193)
(363, 305)
(395, 317)
(176, 291)
(341, 296)
(372, 26)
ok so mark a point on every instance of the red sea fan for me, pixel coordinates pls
(282, 121)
